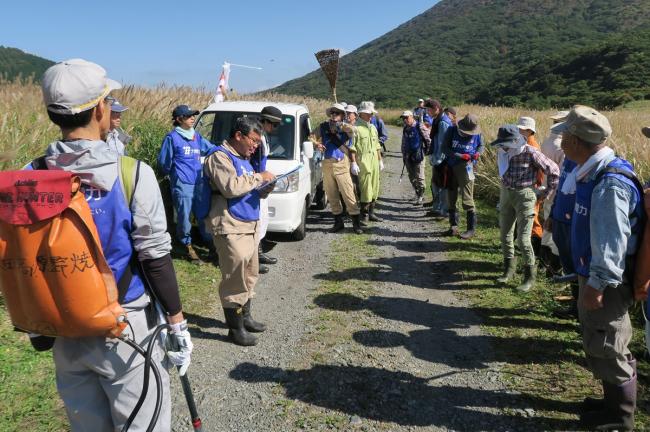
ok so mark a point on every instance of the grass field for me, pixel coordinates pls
(28, 399)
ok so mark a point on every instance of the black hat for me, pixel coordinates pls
(272, 114)
(183, 111)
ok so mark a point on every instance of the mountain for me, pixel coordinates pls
(14, 63)
(466, 50)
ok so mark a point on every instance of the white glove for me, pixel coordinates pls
(381, 164)
(179, 347)
(354, 169)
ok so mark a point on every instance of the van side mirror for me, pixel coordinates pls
(308, 149)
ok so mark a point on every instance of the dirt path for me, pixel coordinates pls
(404, 353)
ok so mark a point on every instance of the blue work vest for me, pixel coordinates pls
(412, 139)
(580, 228)
(563, 203)
(462, 145)
(332, 150)
(245, 208)
(186, 162)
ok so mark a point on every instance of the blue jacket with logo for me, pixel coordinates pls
(246, 207)
(181, 158)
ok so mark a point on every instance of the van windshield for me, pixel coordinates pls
(216, 126)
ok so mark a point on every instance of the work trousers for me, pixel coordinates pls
(415, 171)
(187, 199)
(439, 193)
(239, 265)
(100, 379)
(606, 333)
(517, 206)
(337, 182)
(460, 181)
(547, 236)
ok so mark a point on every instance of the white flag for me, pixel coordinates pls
(223, 83)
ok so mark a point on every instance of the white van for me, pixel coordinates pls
(290, 146)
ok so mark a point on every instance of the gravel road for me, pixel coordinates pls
(416, 358)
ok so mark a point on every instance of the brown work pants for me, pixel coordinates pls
(337, 182)
(239, 266)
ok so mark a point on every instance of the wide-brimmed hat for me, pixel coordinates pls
(351, 109)
(559, 116)
(406, 114)
(74, 86)
(451, 109)
(586, 123)
(335, 107)
(509, 136)
(271, 114)
(367, 107)
(469, 125)
(526, 123)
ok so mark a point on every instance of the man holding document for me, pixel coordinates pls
(233, 219)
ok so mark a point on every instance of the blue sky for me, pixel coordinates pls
(149, 42)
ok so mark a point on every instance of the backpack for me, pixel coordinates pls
(637, 266)
(53, 274)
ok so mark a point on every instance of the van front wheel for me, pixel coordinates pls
(301, 231)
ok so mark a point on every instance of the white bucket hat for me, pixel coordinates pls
(526, 123)
(351, 109)
(335, 107)
(367, 107)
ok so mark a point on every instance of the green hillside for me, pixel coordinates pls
(462, 50)
(14, 63)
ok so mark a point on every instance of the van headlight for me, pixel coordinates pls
(288, 184)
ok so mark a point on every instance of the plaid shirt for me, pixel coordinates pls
(523, 168)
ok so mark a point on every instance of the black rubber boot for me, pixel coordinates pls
(530, 275)
(363, 209)
(338, 224)
(249, 323)
(453, 223)
(509, 267)
(471, 225)
(236, 330)
(356, 224)
(593, 404)
(371, 213)
(264, 258)
(618, 411)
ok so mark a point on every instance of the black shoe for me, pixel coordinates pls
(356, 224)
(264, 258)
(236, 330)
(249, 323)
(263, 269)
(371, 213)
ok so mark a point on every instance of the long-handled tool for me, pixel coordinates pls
(402, 175)
(197, 424)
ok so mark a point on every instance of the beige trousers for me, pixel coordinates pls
(337, 182)
(239, 266)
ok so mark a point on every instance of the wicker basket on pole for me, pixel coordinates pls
(329, 63)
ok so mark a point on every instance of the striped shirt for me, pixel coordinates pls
(523, 168)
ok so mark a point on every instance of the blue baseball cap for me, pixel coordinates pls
(183, 111)
(116, 106)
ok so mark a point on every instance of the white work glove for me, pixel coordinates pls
(381, 164)
(354, 169)
(179, 347)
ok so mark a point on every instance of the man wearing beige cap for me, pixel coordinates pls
(415, 138)
(339, 164)
(605, 229)
(368, 153)
(101, 379)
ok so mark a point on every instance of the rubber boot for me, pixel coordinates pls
(236, 330)
(471, 225)
(363, 215)
(509, 267)
(356, 224)
(371, 213)
(249, 323)
(529, 279)
(593, 404)
(338, 224)
(453, 223)
(618, 411)
(264, 258)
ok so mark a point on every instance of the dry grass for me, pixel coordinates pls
(25, 129)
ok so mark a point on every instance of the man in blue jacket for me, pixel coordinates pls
(440, 171)
(180, 158)
(415, 137)
(605, 229)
